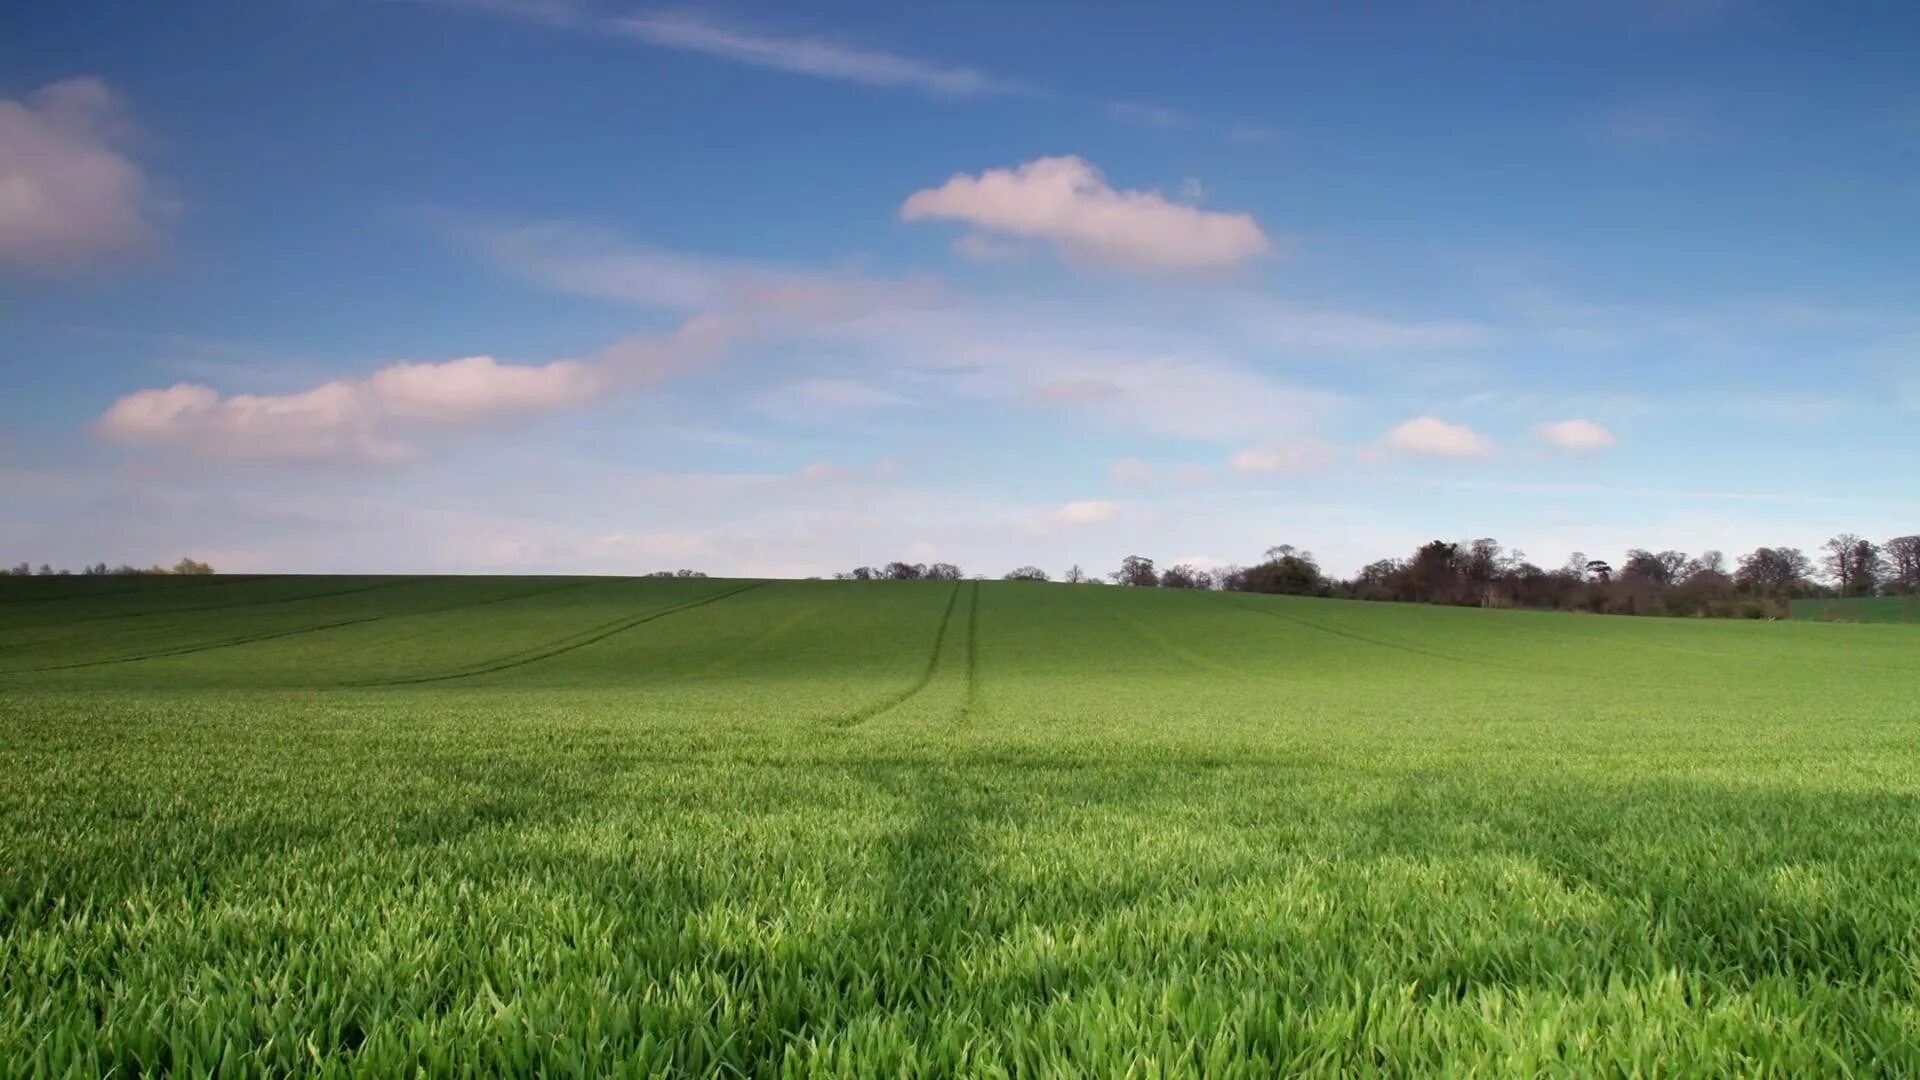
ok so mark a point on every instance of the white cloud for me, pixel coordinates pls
(67, 192)
(1286, 458)
(344, 418)
(460, 390)
(1065, 200)
(362, 419)
(981, 247)
(1430, 437)
(330, 421)
(1085, 512)
(1576, 434)
(817, 56)
(648, 358)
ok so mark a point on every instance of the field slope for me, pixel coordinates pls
(1868, 609)
(580, 826)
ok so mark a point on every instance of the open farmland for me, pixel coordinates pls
(1866, 609)
(295, 824)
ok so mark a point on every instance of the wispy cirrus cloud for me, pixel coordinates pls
(1183, 397)
(1283, 458)
(571, 258)
(830, 398)
(818, 56)
(814, 55)
(1148, 116)
(1290, 327)
(1128, 365)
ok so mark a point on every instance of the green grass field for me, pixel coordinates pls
(1866, 609)
(573, 827)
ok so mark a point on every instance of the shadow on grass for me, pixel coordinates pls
(934, 867)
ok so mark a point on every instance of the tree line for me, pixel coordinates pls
(1484, 573)
(1474, 573)
(184, 567)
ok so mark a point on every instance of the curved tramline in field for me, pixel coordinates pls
(548, 650)
(701, 826)
(938, 659)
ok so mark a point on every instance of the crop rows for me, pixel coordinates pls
(818, 828)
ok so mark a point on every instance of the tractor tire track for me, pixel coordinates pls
(187, 582)
(776, 632)
(62, 624)
(206, 646)
(1173, 648)
(900, 697)
(972, 694)
(1379, 642)
(564, 645)
(465, 605)
(248, 639)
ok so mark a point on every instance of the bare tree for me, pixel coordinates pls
(1136, 570)
(1707, 562)
(1663, 568)
(1773, 571)
(942, 571)
(1480, 564)
(1837, 563)
(1074, 575)
(1903, 563)
(1185, 576)
(1867, 566)
(1027, 573)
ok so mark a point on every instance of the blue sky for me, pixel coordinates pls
(557, 285)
